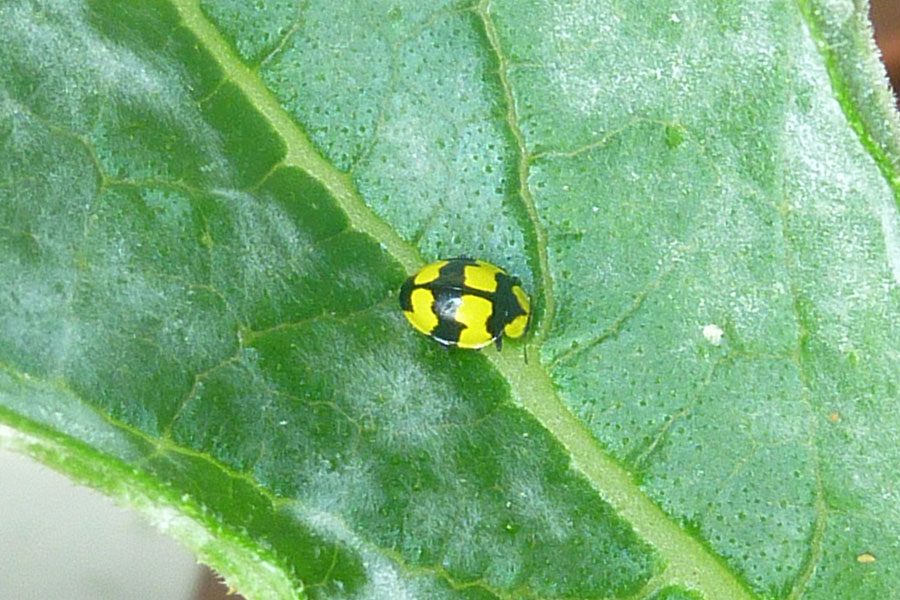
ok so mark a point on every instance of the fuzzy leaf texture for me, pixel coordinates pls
(207, 209)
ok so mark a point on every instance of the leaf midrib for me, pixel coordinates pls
(300, 151)
(687, 561)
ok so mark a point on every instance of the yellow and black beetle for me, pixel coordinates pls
(465, 302)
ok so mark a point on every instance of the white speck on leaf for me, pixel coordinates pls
(713, 334)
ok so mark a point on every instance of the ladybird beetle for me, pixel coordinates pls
(465, 302)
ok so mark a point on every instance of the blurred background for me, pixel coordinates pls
(63, 541)
(67, 542)
(886, 17)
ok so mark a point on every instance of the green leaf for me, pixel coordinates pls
(206, 210)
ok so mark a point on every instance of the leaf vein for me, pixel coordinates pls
(546, 295)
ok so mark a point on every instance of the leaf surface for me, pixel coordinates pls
(206, 211)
